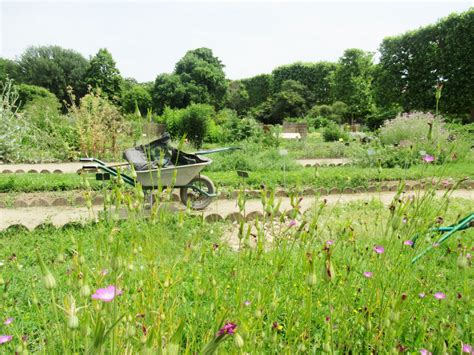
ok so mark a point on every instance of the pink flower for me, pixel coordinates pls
(368, 274)
(228, 328)
(292, 223)
(379, 249)
(104, 272)
(425, 352)
(408, 242)
(5, 338)
(330, 242)
(439, 295)
(422, 295)
(404, 220)
(466, 348)
(247, 303)
(106, 294)
(8, 321)
(435, 245)
(428, 158)
(468, 256)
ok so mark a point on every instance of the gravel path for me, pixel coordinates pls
(324, 161)
(31, 217)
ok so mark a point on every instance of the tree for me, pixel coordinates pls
(8, 69)
(137, 96)
(198, 78)
(103, 74)
(54, 68)
(353, 82)
(237, 97)
(290, 101)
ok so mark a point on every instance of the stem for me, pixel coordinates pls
(53, 301)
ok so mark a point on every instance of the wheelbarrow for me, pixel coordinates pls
(155, 170)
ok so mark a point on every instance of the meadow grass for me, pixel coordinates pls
(322, 284)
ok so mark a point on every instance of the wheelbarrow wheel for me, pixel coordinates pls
(197, 200)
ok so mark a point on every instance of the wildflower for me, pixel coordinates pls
(327, 318)
(277, 326)
(379, 249)
(435, 245)
(404, 296)
(439, 295)
(468, 256)
(5, 338)
(106, 294)
(8, 321)
(368, 274)
(330, 242)
(404, 220)
(421, 295)
(247, 303)
(292, 223)
(428, 158)
(425, 352)
(466, 348)
(104, 272)
(408, 242)
(228, 328)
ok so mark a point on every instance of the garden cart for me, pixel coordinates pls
(159, 166)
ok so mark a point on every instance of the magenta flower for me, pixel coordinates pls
(422, 295)
(247, 303)
(368, 274)
(330, 242)
(8, 321)
(292, 223)
(379, 249)
(466, 348)
(439, 295)
(408, 242)
(228, 328)
(428, 158)
(468, 256)
(5, 338)
(425, 352)
(106, 294)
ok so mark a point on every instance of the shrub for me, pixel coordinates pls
(333, 132)
(195, 121)
(379, 116)
(413, 127)
(27, 93)
(137, 97)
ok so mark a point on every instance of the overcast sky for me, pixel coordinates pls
(148, 38)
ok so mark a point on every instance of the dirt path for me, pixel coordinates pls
(31, 217)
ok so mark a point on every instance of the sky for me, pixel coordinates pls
(147, 38)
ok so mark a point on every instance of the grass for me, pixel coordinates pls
(326, 177)
(181, 283)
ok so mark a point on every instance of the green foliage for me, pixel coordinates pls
(103, 74)
(99, 124)
(380, 115)
(259, 89)
(136, 97)
(8, 69)
(198, 78)
(316, 77)
(352, 83)
(27, 93)
(237, 97)
(54, 68)
(332, 132)
(195, 121)
(413, 64)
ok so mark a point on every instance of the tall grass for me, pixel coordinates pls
(296, 283)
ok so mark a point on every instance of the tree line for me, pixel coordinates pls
(412, 67)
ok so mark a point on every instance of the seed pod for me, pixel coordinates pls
(238, 340)
(49, 281)
(462, 262)
(311, 279)
(85, 290)
(73, 322)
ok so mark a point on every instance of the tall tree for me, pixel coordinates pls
(8, 68)
(54, 68)
(198, 78)
(103, 74)
(353, 82)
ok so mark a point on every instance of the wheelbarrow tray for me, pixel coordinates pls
(175, 176)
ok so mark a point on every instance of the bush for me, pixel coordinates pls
(137, 97)
(333, 132)
(377, 118)
(195, 121)
(27, 93)
(413, 127)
